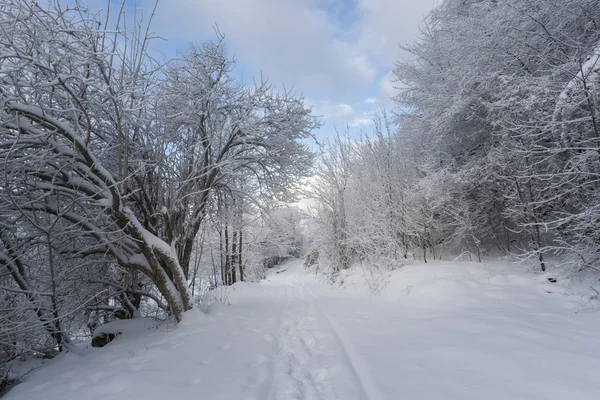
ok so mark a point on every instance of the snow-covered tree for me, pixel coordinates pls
(111, 164)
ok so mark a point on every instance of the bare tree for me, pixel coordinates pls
(96, 138)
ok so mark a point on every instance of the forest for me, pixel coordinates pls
(493, 148)
(133, 186)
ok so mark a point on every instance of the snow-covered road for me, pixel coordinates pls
(314, 358)
(451, 332)
(490, 336)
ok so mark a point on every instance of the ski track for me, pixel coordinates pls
(314, 360)
(293, 338)
(353, 358)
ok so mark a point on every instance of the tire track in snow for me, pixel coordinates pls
(354, 360)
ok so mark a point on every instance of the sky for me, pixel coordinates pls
(336, 53)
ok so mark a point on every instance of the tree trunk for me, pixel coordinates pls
(425, 247)
(233, 256)
(240, 256)
(16, 269)
(227, 257)
(221, 256)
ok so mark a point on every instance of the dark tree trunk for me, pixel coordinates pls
(240, 256)
(425, 247)
(227, 258)
(233, 256)
(222, 259)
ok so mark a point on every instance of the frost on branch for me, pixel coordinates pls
(111, 164)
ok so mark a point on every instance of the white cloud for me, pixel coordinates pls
(332, 111)
(360, 122)
(344, 110)
(337, 53)
(292, 42)
(386, 24)
(388, 87)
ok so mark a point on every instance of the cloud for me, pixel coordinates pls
(386, 24)
(343, 110)
(292, 42)
(342, 115)
(359, 122)
(388, 86)
(338, 53)
(332, 111)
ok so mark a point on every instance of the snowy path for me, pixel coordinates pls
(468, 335)
(314, 359)
(451, 332)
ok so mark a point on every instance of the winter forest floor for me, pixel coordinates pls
(437, 331)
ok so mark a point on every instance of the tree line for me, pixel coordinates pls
(493, 147)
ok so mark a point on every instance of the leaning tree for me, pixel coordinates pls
(95, 134)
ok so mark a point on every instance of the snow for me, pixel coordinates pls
(589, 73)
(126, 326)
(437, 331)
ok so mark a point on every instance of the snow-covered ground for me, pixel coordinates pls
(438, 331)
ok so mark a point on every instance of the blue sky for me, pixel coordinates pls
(337, 53)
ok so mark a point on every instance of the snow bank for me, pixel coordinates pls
(126, 326)
(462, 284)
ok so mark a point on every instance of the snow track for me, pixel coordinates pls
(313, 362)
(297, 372)
(353, 358)
(452, 332)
